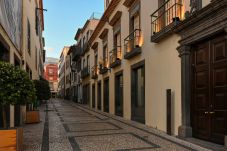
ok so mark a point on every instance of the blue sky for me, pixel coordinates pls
(62, 20)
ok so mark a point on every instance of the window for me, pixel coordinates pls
(105, 52)
(84, 41)
(4, 53)
(83, 63)
(88, 61)
(37, 21)
(36, 62)
(50, 71)
(28, 37)
(96, 59)
(87, 35)
(51, 78)
(105, 56)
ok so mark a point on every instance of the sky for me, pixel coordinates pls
(63, 18)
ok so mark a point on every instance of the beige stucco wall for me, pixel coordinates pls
(162, 69)
(29, 14)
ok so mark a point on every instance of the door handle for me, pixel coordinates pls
(206, 112)
(212, 112)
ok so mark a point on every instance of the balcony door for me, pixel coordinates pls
(138, 93)
(106, 95)
(119, 95)
(135, 25)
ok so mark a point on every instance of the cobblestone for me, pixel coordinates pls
(74, 127)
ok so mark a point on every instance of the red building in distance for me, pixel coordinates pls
(51, 74)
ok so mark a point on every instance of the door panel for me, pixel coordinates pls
(219, 89)
(119, 95)
(99, 96)
(209, 106)
(106, 95)
(93, 96)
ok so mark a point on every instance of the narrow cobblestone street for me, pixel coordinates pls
(67, 126)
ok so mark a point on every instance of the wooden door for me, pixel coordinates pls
(218, 106)
(93, 96)
(99, 96)
(119, 95)
(209, 105)
(106, 95)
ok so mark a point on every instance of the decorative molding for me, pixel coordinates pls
(203, 23)
(95, 45)
(104, 33)
(115, 18)
(128, 3)
(113, 4)
(184, 50)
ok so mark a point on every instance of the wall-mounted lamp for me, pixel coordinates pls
(41, 9)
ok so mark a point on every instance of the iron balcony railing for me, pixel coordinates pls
(115, 54)
(132, 41)
(103, 67)
(105, 62)
(168, 13)
(85, 72)
(94, 72)
(76, 52)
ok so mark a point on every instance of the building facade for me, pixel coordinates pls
(161, 63)
(81, 66)
(62, 72)
(21, 40)
(51, 74)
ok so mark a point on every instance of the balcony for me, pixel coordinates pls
(103, 68)
(85, 72)
(133, 44)
(165, 18)
(76, 52)
(94, 72)
(115, 57)
(74, 67)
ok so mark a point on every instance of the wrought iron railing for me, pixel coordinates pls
(115, 54)
(76, 52)
(168, 13)
(132, 41)
(94, 72)
(105, 62)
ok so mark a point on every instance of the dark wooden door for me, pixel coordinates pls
(138, 94)
(209, 106)
(99, 96)
(119, 95)
(93, 96)
(106, 95)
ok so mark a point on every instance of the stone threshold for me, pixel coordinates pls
(206, 144)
